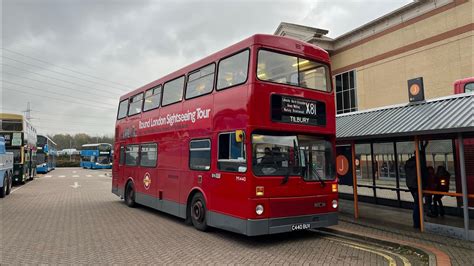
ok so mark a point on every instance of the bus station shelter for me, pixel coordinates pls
(373, 146)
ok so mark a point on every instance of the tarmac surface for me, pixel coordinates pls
(70, 216)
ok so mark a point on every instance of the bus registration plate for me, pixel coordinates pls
(296, 227)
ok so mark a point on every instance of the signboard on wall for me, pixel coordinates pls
(416, 91)
(344, 165)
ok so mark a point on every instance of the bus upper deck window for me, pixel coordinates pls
(152, 98)
(200, 82)
(233, 70)
(123, 108)
(292, 70)
(135, 104)
(173, 91)
(469, 87)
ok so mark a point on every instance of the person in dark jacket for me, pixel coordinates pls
(442, 176)
(431, 185)
(412, 184)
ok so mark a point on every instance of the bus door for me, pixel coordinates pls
(229, 180)
(117, 165)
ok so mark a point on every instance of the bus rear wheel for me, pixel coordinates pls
(130, 195)
(198, 212)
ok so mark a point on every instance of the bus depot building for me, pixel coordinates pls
(393, 79)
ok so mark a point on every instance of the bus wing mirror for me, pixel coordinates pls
(239, 135)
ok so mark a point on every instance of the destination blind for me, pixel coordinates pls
(298, 110)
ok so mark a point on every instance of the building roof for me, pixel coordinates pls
(402, 15)
(452, 114)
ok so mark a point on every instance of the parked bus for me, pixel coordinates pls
(466, 86)
(242, 140)
(20, 138)
(96, 156)
(45, 155)
(6, 170)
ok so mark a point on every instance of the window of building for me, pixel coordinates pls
(131, 155)
(123, 108)
(200, 82)
(122, 155)
(152, 98)
(469, 87)
(231, 155)
(148, 155)
(200, 154)
(346, 97)
(233, 70)
(292, 70)
(136, 104)
(173, 91)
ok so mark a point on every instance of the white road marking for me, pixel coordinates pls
(13, 190)
(48, 176)
(76, 185)
(75, 176)
(101, 175)
(74, 172)
(88, 175)
(62, 176)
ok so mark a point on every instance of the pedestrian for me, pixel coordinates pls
(412, 184)
(432, 185)
(442, 176)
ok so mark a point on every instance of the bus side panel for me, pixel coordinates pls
(229, 193)
(115, 167)
(200, 129)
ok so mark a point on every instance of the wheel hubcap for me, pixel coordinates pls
(130, 195)
(198, 211)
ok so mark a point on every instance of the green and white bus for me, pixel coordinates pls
(20, 138)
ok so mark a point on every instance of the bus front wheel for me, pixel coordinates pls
(198, 212)
(9, 184)
(3, 191)
(130, 195)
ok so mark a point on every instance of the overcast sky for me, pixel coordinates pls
(72, 59)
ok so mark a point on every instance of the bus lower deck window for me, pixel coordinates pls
(200, 154)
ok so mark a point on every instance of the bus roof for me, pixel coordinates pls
(279, 42)
(95, 145)
(11, 116)
(46, 137)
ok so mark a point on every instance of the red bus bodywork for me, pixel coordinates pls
(230, 197)
(460, 86)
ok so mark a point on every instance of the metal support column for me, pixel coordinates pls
(465, 203)
(354, 182)
(420, 190)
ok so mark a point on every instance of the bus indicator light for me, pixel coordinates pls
(259, 191)
(334, 188)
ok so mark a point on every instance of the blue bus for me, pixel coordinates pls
(96, 156)
(46, 153)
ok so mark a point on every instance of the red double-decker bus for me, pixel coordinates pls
(242, 140)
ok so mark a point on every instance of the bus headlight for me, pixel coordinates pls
(334, 204)
(259, 209)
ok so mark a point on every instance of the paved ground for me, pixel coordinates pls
(70, 216)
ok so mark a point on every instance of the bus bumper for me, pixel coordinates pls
(257, 227)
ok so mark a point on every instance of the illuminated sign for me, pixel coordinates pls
(416, 90)
(298, 110)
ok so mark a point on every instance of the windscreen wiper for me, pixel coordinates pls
(320, 179)
(286, 177)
